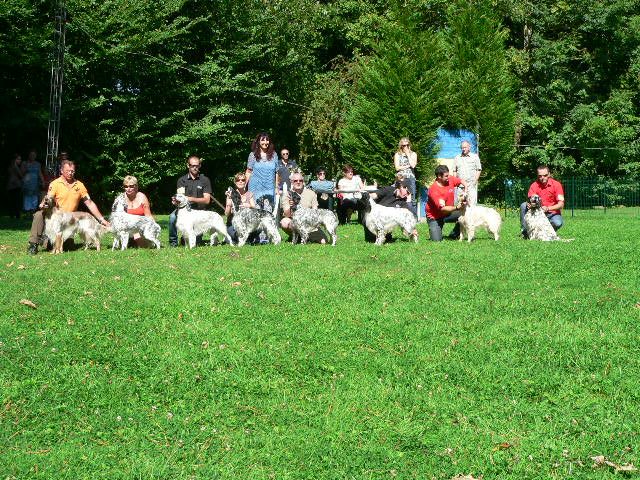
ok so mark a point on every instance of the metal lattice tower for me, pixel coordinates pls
(55, 95)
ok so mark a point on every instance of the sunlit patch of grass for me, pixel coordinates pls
(507, 359)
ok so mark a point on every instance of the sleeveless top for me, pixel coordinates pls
(136, 211)
(403, 161)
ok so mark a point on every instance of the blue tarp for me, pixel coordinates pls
(449, 142)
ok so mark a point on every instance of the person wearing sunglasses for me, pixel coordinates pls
(299, 196)
(238, 197)
(197, 188)
(286, 167)
(405, 161)
(66, 192)
(324, 189)
(135, 203)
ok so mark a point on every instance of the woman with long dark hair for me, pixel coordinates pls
(261, 173)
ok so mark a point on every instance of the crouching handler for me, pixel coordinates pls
(299, 195)
(66, 193)
(440, 204)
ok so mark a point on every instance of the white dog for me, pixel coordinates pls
(191, 223)
(123, 225)
(380, 220)
(60, 226)
(477, 216)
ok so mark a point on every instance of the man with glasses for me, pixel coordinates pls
(551, 196)
(197, 188)
(299, 196)
(285, 168)
(323, 188)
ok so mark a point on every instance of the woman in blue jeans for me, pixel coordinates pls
(262, 166)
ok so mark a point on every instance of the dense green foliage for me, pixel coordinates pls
(147, 83)
(418, 80)
(320, 362)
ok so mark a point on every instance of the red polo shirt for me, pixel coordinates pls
(549, 193)
(438, 192)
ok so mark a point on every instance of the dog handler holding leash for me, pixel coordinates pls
(196, 187)
(66, 192)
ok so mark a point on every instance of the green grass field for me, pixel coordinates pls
(504, 360)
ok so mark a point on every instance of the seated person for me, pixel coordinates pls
(238, 198)
(136, 203)
(347, 186)
(397, 195)
(323, 189)
(67, 193)
(440, 204)
(299, 195)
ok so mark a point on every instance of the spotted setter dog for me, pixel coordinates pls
(536, 223)
(248, 220)
(380, 220)
(307, 220)
(123, 225)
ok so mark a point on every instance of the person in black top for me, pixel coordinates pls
(197, 188)
(285, 168)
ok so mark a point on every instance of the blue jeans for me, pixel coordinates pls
(436, 226)
(554, 218)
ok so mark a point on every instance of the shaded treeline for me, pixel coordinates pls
(147, 83)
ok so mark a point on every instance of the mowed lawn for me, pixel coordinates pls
(507, 359)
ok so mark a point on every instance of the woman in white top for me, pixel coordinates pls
(347, 185)
(405, 161)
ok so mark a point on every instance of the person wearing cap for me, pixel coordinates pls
(323, 189)
(396, 195)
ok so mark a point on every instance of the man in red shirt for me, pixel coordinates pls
(551, 196)
(440, 204)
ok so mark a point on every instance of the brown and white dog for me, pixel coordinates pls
(60, 226)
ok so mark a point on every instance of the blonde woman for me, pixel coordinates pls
(136, 203)
(405, 161)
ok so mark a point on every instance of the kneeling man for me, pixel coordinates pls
(299, 195)
(66, 193)
(440, 204)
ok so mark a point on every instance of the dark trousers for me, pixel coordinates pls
(345, 205)
(325, 203)
(436, 226)
(14, 202)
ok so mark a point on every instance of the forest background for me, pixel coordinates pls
(146, 83)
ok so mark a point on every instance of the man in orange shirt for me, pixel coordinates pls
(66, 192)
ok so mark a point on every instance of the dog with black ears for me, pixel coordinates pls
(380, 220)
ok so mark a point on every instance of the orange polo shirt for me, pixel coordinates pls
(67, 196)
